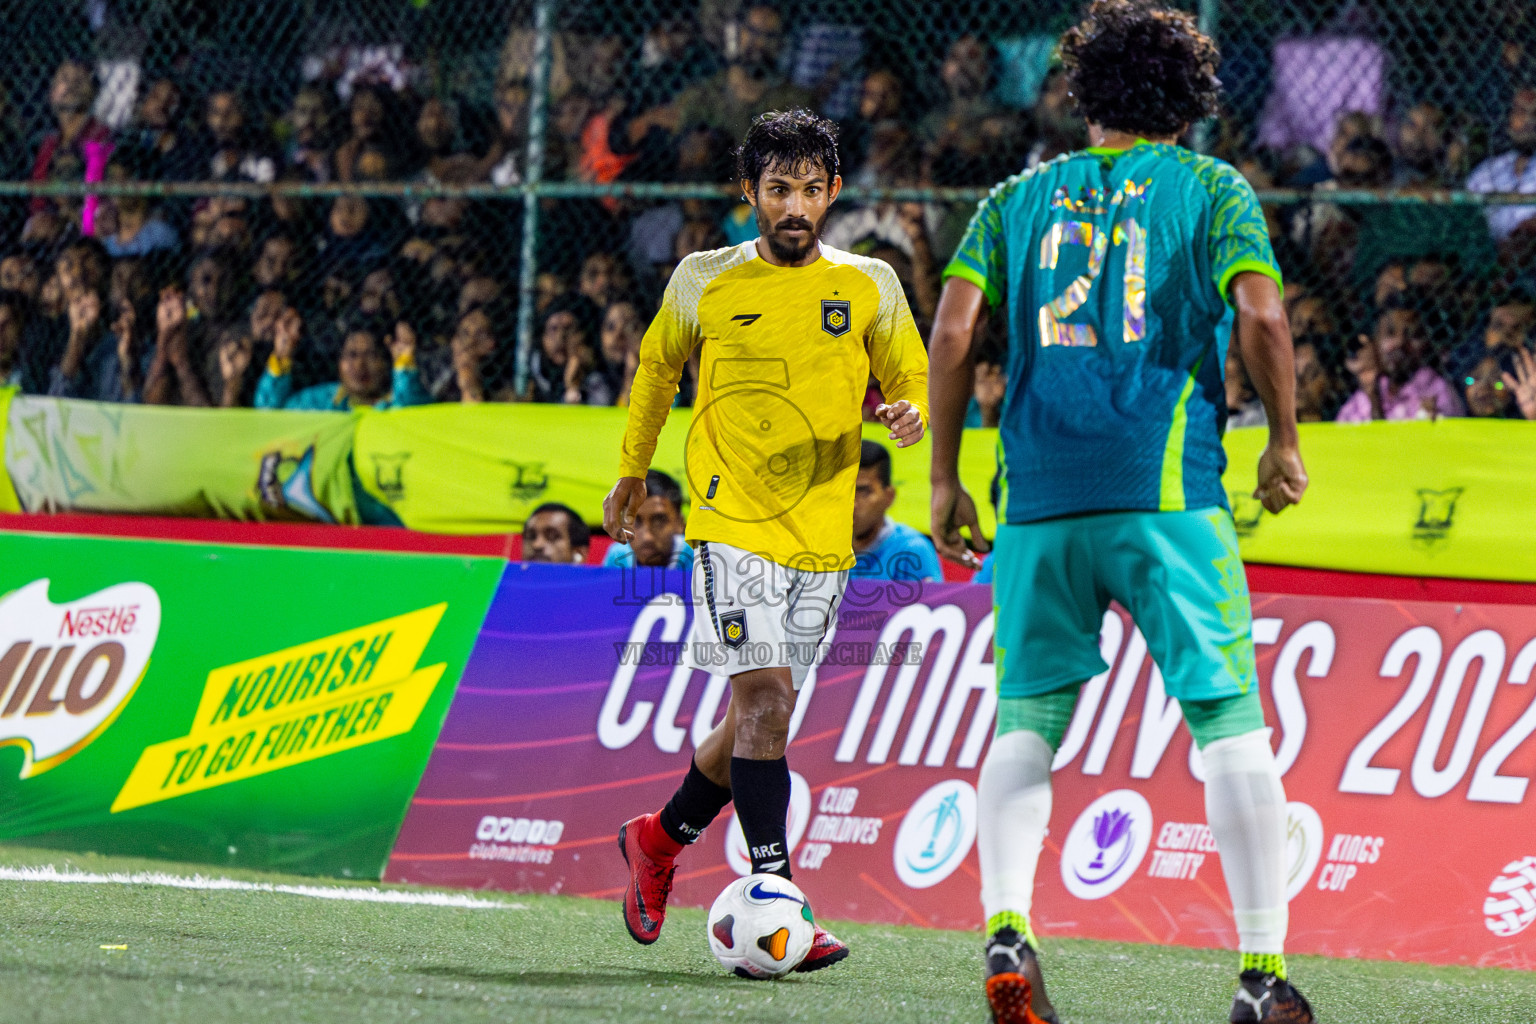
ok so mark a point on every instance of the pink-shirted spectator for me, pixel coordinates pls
(78, 135)
(1396, 382)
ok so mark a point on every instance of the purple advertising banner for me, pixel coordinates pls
(575, 715)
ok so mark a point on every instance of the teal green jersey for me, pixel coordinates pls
(1113, 267)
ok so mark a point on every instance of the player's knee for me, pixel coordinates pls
(1223, 718)
(1047, 714)
(763, 707)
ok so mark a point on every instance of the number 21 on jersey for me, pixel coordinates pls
(1097, 239)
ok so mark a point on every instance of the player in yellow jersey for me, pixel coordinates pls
(788, 331)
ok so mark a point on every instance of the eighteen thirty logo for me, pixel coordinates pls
(1303, 846)
(67, 670)
(1106, 844)
(295, 705)
(936, 835)
(1511, 904)
(799, 817)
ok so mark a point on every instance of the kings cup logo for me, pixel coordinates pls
(1106, 844)
(67, 670)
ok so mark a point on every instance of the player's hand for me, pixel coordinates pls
(905, 421)
(952, 508)
(621, 506)
(1282, 478)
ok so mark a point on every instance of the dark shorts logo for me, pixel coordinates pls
(1246, 512)
(733, 628)
(836, 317)
(1437, 512)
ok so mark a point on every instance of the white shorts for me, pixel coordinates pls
(751, 613)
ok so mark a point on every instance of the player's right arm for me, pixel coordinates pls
(974, 280)
(668, 342)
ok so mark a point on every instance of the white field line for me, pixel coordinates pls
(360, 895)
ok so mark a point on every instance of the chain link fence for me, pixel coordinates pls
(502, 188)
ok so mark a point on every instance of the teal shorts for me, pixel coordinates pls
(1177, 573)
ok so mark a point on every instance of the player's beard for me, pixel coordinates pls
(783, 248)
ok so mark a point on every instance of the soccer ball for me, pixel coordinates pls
(761, 926)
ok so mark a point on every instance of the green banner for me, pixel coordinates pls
(1454, 497)
(259, 707)
(8, 502)
(483, 468)
(226, 463)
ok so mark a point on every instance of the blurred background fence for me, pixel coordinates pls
(514, 180)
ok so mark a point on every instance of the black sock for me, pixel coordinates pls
(695, 804)
(762, 803)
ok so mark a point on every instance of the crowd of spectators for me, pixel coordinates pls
(1399, 311)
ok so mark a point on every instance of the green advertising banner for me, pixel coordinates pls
(1453, 497)
(8, 502)
(483, 468)
(225, 463)
(260, 707)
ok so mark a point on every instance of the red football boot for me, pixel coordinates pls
(826, 950)
(650, 881)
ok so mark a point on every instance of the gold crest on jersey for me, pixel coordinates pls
(836, 317)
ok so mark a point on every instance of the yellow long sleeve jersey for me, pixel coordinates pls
(785, 357)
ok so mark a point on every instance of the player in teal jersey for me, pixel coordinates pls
(1114, 266)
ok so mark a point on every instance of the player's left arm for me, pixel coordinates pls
(899, 362)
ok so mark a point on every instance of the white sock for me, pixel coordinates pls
(1014, 798)
(1245, 808)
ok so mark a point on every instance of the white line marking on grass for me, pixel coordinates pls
(360, 895)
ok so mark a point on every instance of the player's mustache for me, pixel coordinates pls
(791, 225)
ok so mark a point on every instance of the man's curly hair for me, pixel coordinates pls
(1140, 68)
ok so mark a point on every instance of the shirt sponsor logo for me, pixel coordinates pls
(836, 317)
(936, 835)
(67, 670)
(1106, 844)
(1511, 904)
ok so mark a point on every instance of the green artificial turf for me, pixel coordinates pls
(208, 957)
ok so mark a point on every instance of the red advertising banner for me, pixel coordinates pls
(1403, 729)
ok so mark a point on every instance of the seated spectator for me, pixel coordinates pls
(866, 141)
(555, 533)
(19, 273)
(883, 548)
(1059, 128)
(752, 83)
(985, 408)
(969, 130)
(1317, 387)
(1422, 147)
(672, 58)
(364, 370)
(156, 130)
(128, 225)
(482, 359)
(1513, 170)
(1483, 388)
(623, 328)
(658, 532)
(563, 368)
(374, 120)
(1511, 325)
(13, 319)
(78, 136)
(276, 263)
(604, 277)
(307, 148)
(236, 150)
(1396, 382)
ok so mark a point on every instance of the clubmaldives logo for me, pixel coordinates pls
(799, 817)
(936, 835)
(1106, 844)
(67, 670)
(1511, 904)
